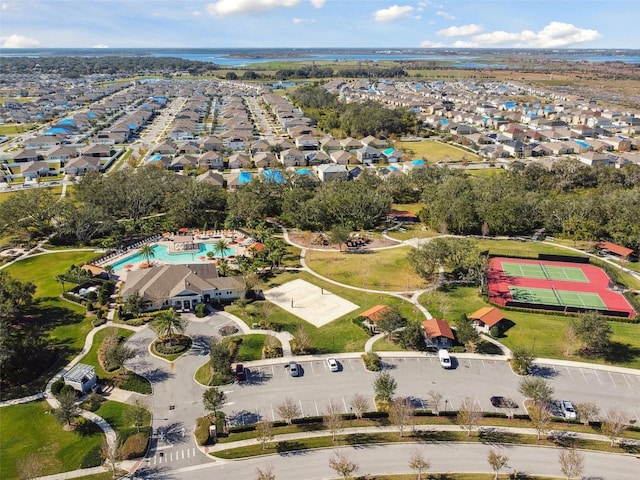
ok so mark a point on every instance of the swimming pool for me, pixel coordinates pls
(160, 252)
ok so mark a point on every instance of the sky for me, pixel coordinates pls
(384, 24)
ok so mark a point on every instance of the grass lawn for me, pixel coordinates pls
(408, 207)
(251, 347)
(434, 151)
(341, 335)
(91, 358)
(63, 323)
(384, 345)
(380, 269)
(117, 415)
(541, 332)
(27, 428)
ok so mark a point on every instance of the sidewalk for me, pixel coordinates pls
(392, 429)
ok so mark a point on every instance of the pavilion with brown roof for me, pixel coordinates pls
(486, 317)
(374, 314)
(616, 249)
(438, 333)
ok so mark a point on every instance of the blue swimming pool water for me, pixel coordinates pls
(160, 252)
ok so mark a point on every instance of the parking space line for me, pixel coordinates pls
(301, 409)
(183, 454)
(312, 370)
(627, 380)
(612, 380)
(596, 374)
(273, 414)
(483, 364)
(584, 376)
(317, 411)
(569, 372)
(346, 410)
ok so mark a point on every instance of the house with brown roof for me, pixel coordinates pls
(486, 318)
(437, 333)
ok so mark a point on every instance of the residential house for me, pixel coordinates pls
(437, 333)
(306, 142)
(317, 158)
(330, 144)
(331, 171)
(341, 157)
(62, 153)
(239, 160)
(350, 144)
(265, 160)
(82, 165)
(371, 141)
(292, 157)
(391, 155)
(43, 142)
(211, 160)
(212, 144)
(33, 170)
(368, 155)
(212, 178)
(183, 162)
(26, 155)
(238, 179)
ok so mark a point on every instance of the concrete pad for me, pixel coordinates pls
(310, 302)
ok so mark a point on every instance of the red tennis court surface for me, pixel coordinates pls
(597, 283)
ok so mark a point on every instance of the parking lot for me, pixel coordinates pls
(267, 386)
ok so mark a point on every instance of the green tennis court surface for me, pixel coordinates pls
(546, 296)
(530, 270)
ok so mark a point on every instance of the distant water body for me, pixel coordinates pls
(245, 57)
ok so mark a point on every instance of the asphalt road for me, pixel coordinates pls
(387, 459)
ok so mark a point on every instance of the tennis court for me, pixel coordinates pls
(548, 272)
(551, 296)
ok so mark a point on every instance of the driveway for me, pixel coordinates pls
(177, 398)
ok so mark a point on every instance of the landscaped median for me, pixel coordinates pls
(311, 432)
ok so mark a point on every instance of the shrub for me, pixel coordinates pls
(201, 310)
(90, 307)
(181, 344)
(372, 361)
(202, 430)
(56, 387)
(218, 378)
(99, 320)
(135, 446)
(458, 349)
(93, 401)
(494, 331)
(67, 388)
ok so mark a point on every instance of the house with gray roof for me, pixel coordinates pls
(181, 287)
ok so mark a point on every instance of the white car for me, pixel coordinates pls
(568, 410)
(445, 359)
(333, 364)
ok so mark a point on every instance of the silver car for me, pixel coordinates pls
(294, 369)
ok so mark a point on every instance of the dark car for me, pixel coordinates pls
(502, 402)
(241, 373)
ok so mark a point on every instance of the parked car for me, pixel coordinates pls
(240, 373)
(568, 410)
(445, 359)
(503, 402)
(333, 364)
(294, 369)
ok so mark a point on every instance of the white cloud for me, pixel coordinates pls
(554, 35)
(230, 7)
(297, 20)
(447, 15)
(461, 31)
(4, 6)
(318, 3)
(100, 45)
(18, 41)
(392, 13)
(464, 44)
(430, 44)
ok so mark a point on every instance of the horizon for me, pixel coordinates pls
(306, 24)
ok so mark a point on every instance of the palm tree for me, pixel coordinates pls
(167, 324)
(223, 267)
(220, 247)
(147, 252)
(109, 270)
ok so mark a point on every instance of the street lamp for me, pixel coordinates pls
(446, 401)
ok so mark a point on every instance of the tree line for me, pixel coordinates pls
(358, 119)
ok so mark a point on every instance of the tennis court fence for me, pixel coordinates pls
(563, 308)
